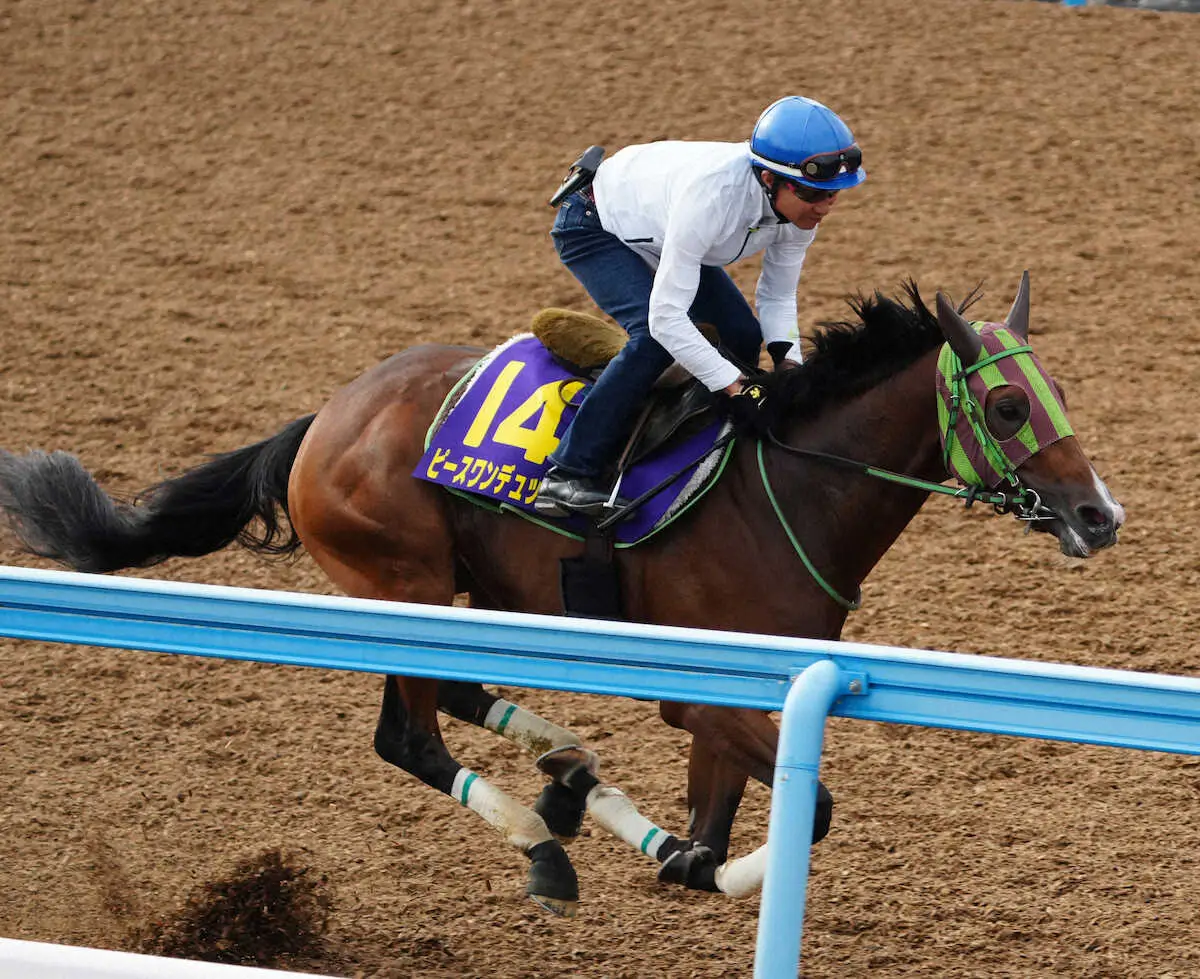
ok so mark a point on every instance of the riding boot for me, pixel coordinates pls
(562, 494)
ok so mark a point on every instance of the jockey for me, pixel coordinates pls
(648, 240)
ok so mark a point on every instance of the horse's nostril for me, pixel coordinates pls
(1096, 520)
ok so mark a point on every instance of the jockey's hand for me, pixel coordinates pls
(743, 402)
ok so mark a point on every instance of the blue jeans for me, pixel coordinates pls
(619, 281)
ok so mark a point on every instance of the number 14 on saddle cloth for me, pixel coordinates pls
(492, 437)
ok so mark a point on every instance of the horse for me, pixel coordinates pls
(779, 545)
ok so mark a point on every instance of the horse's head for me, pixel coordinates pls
(1004, 425)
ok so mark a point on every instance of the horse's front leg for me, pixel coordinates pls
(739, 736)
(714, 791)
(729, 745)
(407, 736)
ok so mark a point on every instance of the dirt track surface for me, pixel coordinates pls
(216, 214)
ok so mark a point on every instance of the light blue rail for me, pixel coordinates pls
(806, 679)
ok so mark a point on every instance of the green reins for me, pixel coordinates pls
(1022, 502)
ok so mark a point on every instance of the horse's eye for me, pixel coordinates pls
(1006, 413)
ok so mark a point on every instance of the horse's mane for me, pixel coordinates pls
(852, 356)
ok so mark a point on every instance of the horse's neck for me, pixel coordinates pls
(850, 520)
(896, 425)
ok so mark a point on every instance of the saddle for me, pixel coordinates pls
(584, 344)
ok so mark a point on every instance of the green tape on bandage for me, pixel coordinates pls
(466, 789)
(512, 709)
(648, 840)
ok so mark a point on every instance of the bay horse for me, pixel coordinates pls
(877, 388)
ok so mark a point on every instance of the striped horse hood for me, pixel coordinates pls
(971, 452)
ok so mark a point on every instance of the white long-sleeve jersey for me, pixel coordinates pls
(682, 205)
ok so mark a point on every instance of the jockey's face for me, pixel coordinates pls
(794, 203)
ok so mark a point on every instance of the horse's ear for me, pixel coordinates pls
(964, 341)
(1017, 320)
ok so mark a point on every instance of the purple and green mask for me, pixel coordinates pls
(978, 358)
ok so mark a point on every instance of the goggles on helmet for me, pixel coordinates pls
(826, 166)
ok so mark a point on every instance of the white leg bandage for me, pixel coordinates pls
(611, 808)
(528, 730)
(743, 876)
(522, 827)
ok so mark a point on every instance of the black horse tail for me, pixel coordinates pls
(58, 511)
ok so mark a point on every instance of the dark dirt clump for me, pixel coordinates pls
(270, 911)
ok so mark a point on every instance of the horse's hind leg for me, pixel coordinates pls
(560, 806)
(575, 786)
(408, 736)
(609, 806)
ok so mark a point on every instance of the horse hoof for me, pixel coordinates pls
(557, 907)
(561, 810)
(823, 816)
(561, 763)
(552, 881)
(694, 868)
(564, 801)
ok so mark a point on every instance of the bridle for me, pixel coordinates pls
(958, 401)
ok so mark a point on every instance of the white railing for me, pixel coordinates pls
(40, 960)
(806, 679)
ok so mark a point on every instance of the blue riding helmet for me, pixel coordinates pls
(807, 142)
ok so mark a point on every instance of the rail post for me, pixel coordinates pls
(793, 807)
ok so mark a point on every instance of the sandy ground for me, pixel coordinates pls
(215, 214)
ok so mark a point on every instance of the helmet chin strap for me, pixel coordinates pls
(771, 190)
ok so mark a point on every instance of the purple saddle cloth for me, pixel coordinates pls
(492, 439)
